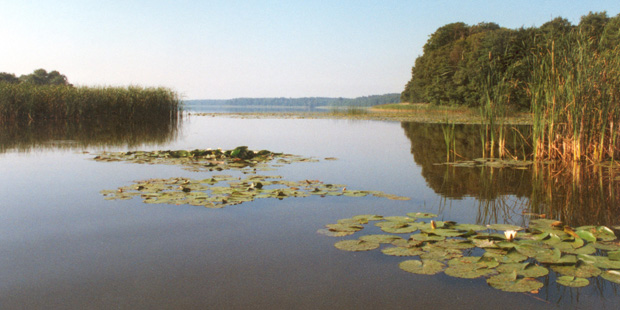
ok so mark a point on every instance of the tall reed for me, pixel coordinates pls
(575, 99)
(27, 102)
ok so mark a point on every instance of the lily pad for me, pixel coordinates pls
(356, 245)
(380, 238)
(509, 282)
(402, 251)
(470, 267)
(422, 215)
(527, 270)
(425, 266)
(579, 271)
(571, 281)
(612, 276)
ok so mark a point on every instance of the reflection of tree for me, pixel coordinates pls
(579, 195)
(429, 151)
(101, 132)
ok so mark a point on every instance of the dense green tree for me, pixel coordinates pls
(464, 65)
(8, 77)
(42, 77)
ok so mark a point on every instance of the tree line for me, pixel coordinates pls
(310, 102)
(465, 65)
(38, 77)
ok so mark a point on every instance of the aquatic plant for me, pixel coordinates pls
(26, 102)
(239, 158)
(511, 258)
(212, 192)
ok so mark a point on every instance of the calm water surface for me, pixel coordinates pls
(64, 247)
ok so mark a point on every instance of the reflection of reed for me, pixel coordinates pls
(580, 195)
(577, 195)
(95, 133)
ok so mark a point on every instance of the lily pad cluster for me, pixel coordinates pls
(222, 190)
(511, 258)
(240, 158)
(492, 163)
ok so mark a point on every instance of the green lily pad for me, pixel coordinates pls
(402, 251)
(509, 282)
(421, 215)
(599, 261)
(425, 266)
(356, 245)
(439, 253)
(587, 249)
(571, 281)
(368, 217)
(427, 237)
(471, 267)
(527, 270)
(586, 235)
(614, 255)
(332, 233)
(380, 238)
(612, 276)
(397, 227)
(608, 246)
(400, 219)
(467, 227)
(579, 270)
(533, 250)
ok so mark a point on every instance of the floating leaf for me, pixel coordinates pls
(402, 251)
(427, 237)
(368, 217)
(611, 275)
(606, 245)
(425, 266)
(467, 227)
(614, 255)
(399, 219)
(421, 215)
(586, 235)
(345, 227)
(527, 270)
(470, 267)
(455, 244)
(572, 281)
(509, 282)
(331, 233)
(356, 245)
(380, 238)
(580, 271)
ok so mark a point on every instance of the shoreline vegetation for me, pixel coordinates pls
(43, 96)
(567, 76)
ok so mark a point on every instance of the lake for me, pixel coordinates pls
(66, 247)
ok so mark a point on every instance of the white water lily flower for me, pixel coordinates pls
(510, 234)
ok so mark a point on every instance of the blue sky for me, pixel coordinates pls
(228, 49)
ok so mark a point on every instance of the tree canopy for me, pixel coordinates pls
(461, 64)
(38, 77)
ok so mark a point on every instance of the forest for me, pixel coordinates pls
(461, 64)
(310, 102)
(566, 76)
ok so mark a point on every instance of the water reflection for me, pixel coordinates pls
(579, 195)
(95, 133)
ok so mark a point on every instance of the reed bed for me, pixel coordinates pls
(575, 99)
(31, 103)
